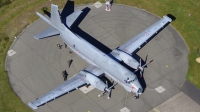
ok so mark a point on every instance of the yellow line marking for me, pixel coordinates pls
(155, 110)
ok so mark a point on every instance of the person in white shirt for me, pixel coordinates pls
(108, 5)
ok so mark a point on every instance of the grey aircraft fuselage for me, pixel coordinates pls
(96, 57)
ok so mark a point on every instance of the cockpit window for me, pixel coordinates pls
(128, 80)
(131, 77)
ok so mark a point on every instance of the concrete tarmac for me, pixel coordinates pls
(37, 65)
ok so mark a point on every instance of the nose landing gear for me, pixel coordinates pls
(136, 97)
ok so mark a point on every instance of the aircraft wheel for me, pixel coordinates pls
(136, 97)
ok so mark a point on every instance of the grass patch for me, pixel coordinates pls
(5, 2)
(16, 15)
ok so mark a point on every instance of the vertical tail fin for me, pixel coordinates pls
(55, 17)
(55, 20)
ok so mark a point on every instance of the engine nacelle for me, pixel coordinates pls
(94, 81)
(126, 58)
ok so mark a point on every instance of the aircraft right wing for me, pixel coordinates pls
(141, 39)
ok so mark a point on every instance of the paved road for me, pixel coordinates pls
(37, 66)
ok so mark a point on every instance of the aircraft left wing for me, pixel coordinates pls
(71, 84)
(94, 70)
(141, 39)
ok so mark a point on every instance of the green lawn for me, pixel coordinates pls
(17, 15)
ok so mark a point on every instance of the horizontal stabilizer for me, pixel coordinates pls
(72, 18)
(47, 33)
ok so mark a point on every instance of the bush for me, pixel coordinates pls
(3, 36)
(44, 8)
(6, 39)
(5, 2)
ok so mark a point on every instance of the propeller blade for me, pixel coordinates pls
(147, 64)
(106, 84)
(108, 95)
(107, 90)
(101, 94)
(113, 86)
(141, 72)
(136, 70)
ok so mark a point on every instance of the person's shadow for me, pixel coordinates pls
(111, 2)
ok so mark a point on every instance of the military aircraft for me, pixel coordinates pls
(100, 63)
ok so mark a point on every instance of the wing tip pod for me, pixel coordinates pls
(32, 106)
(170, 17)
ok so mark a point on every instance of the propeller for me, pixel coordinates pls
(141, 67)
(108, 90)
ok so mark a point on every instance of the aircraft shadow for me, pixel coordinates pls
(86, 36)
(141, 79)
(66, 11)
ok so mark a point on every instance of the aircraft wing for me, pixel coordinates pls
(72, 17)
(69, 85)
(141, 39)
(72, 84)
(94, 70)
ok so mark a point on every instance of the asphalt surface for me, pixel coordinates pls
(37, 66)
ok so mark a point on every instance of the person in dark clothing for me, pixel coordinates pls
(64, 73)
(60, 46)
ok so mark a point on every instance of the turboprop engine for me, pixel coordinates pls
(126, 58)
(97, 83)
(129, 60)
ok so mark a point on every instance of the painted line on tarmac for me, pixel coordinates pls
(155, 110)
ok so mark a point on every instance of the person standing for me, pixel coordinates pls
(65, 74)
(60, 46)
(108, 5)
